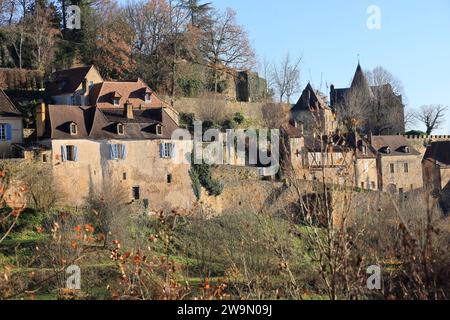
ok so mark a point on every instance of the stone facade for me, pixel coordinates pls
(73, 86)
(436, 172)
(11, 125)
(162, 182)
(313, 112)
(399, 165)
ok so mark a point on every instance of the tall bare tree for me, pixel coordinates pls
(286, 77)
(226, 45)
(431, 116)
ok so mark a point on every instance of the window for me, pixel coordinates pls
(406, 167)
(392, 168)
(117, 151)
(412, 187)
(167, 150)
(136, 193)
(72, 100)
(169, 178)
(124, 176)
(120, 129)
(44, 158)
(91, 84)
(148, 97)
(73, 128)
(401, 190)
(362, 185)
(373, 185)
(116, 101)
(69, 153)
(159, 130)
(3, 131)
(364, 150)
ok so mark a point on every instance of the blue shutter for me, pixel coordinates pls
(75, 151)
(174, 151)
(8, 132)
(161, 150)
(124, 152)
(111, 152)
(63, 153)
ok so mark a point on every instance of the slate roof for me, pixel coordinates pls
(67, 81)
(360, 82)
(395, 143)
(309, 100)
(97, 124)
(439, 153)
(7, 108)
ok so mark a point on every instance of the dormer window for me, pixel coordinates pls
(116, 102)
(120, 129)
(405, 149)
(159, 130)
(73, 129)
(147, 97)
(388, 150)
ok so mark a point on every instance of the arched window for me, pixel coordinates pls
(73, 129)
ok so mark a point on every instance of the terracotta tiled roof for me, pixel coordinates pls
(7, 108)
(439, 153)
(67, 81)
(131, 91)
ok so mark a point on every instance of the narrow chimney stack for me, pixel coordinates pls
(128, 110)
(40, 120)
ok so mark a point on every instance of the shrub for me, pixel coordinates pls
(239, 118)
(201, 176)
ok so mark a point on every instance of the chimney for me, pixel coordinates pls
(40, 120)
(85, 86)
(128, 110)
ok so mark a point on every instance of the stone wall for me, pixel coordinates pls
(143, 168)
(251, 111)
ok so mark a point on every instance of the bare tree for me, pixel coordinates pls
(226, 45)
(286, 78)
(431, 116)
(353, 111)
(267, 71)
(380, 77)
(274, 115)
(43, 33)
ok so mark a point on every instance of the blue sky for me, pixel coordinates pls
(413, 42)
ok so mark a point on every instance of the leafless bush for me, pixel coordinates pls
(212, 107)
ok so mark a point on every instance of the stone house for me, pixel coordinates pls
(73, 86)
(398, 164)
(318, 158)
(314, 113)
(126, 148)
(436, 172)
(366, 173)
(11, 125)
